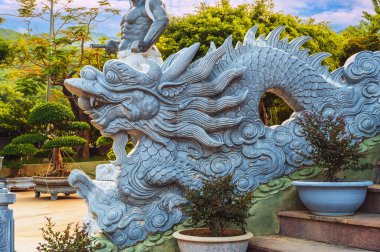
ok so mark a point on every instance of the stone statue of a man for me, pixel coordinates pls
(141, 27)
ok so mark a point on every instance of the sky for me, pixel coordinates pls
(340, 13)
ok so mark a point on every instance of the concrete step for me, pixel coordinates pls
(359, 231)
(277, 243)
(372, 200)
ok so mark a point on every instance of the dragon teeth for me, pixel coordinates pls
(92, 101)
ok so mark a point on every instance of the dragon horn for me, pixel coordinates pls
(180, 64)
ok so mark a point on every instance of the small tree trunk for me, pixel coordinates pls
(14, 172)
(57, 162)
(84, 151)
(263, 112)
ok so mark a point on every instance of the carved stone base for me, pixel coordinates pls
(20, 183)
(52, 186)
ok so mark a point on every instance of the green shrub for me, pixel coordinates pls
(217, 204)
(51, 112)
(73, 239)
(18, 150)
(65, 141)
(111, 155)
(29, 138)
(104, 141)
(333, 147)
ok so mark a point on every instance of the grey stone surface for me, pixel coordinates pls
(107, 172)
(6, 220)
(198, 119)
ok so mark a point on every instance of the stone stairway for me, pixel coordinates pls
(301, 231)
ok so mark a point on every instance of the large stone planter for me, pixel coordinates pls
(52, 186)
(332, 198)
(20, 183)
(190, 243)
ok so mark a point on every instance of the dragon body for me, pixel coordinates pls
(193, 120)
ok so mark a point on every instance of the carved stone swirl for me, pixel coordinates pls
(362, 66)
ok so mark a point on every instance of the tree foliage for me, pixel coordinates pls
(66, 54)
(6, 54)
(14, 112)
(364, 36)
(216, 23)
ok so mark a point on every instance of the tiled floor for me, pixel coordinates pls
(29, 215)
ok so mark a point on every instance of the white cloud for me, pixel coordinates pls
(348, 16)
(348, 13)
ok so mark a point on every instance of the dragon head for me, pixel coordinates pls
(171, 101)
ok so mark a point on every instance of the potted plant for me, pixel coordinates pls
(56, 122)
(216, 205)
(334, 149)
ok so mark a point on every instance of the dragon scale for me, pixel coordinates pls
(194, 120)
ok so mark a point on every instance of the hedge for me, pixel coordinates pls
(104, 141)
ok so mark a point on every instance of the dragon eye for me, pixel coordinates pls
(88, 74)
(112, 77)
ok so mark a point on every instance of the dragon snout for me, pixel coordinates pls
(74, 85)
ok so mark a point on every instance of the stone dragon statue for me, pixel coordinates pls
(193, 120)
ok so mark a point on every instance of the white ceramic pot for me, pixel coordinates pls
(332, 198)
(189, 243)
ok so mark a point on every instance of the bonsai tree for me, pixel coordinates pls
(56, 122)
(20, 147)
(217, 204)
(333, 148)
(14, 154)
